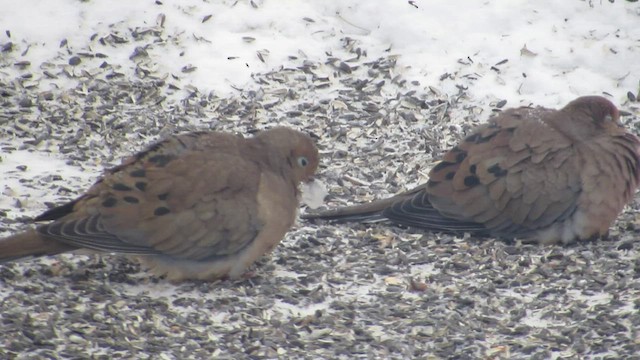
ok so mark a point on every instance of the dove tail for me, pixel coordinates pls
(369, 212)
(29, 244)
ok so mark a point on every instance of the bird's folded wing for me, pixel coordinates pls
(174, 199)
(510, 178)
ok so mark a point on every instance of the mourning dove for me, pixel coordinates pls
(201, 205)
(537, 174)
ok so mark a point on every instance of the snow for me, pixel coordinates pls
(543, 52)
(40, 166)
(581, 47)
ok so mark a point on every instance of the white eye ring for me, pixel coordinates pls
(302, 161)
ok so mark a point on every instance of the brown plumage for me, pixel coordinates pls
(201, 205)
(533, 173)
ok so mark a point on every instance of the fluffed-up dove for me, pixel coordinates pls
(532, 173)
(201, 205)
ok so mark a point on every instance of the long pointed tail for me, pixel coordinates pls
(368, 212)
(29, 244)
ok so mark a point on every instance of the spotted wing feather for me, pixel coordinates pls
(185, 197)
(497, 180)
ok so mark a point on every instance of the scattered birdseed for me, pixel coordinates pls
(328, 291)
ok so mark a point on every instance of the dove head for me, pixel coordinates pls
(589, 116)
(293, 149)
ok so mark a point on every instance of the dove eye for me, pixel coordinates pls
(610, 119)
(303, 161)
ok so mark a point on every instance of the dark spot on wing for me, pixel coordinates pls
(461, 156)
(138, 173)
(141, 185)
(163, 196)
(161, 211)
(109, 202)
(161, 160)
(121, 187)
(131, 199)
(472, 169)
(450, 175)
(471, 181)
(497, 171)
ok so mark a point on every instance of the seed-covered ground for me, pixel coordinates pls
(345, 291)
